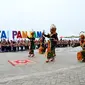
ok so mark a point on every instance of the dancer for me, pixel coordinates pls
(52, 44)
(82, 40)
(81, 54)
(42, 45)
(32, 45)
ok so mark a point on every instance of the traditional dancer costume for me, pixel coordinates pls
(81, 54)
(32, 45)
(52, 44)
(42, 45)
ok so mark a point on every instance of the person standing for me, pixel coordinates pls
(53, 37)
(32, 45)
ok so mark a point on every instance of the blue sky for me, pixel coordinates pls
(67, 15)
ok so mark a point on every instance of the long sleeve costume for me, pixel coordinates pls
(53, 39)
(82, 43)
(32, 45)
(42, 45)
(81, 54)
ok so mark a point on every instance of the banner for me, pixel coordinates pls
(18, 34)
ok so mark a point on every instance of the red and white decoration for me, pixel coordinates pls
(19, 62)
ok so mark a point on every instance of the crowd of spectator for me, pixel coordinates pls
(23, 45)
(65, 43)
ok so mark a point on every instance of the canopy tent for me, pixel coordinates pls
(61, 36)
(71, 37)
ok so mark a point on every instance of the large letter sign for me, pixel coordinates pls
(19, 34)
(14, 33)
(3, 34)
(39, 34)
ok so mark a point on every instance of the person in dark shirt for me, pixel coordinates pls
(53, 37)
(32, 45)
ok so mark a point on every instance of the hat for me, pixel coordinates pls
(52, 26)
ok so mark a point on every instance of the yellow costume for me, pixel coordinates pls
(81, 54)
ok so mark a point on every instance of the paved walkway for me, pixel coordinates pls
(66, 70)
(74, 75)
